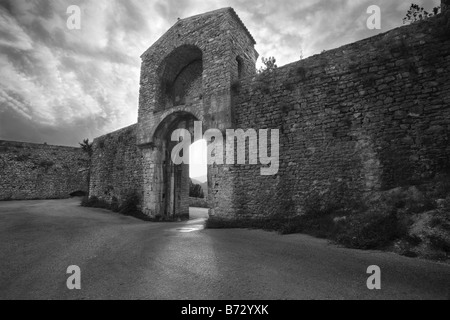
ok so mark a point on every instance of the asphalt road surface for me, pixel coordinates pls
(124, 258)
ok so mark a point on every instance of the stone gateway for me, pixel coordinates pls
(352, 121)
(366, 117)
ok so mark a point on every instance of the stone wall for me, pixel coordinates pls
(353, 121)
(116, 166)
(369, 116)
(36, 171)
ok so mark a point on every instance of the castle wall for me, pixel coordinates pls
(38, 171)
(116, 166)
(369, 116)
(366, 117)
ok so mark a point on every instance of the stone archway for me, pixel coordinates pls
(178, 102)
(190, 69)
(169, 183)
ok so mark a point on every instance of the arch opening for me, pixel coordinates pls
(180, 78)
(172, 181)
(198, 173)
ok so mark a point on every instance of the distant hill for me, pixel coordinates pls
(200, 179)
(204, 185)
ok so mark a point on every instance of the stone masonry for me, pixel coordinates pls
(363, 118)
(36, 171)
(116, 166)
(353, 121)
(366, 117)
(186, 76)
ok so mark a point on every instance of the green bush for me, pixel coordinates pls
(384, 221)
(408, 201)
(269, 65)
(371, 231)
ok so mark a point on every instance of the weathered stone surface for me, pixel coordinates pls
(116, 168)
(365, 117)
(35, 171)
(347, 128)
(187, 76)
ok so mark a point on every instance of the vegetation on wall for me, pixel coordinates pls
(269, 65)
(418, 13)
(129, 206)
(413, 221)
(86, 147)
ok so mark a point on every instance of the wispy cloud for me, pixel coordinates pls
(60, 86)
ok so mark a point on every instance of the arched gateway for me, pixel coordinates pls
(336, 138)
(186, 76)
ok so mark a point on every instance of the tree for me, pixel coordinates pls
(195, 190)
(269, 65)
(418, 13)
(87, 147)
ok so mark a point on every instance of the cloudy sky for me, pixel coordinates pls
(60, 86)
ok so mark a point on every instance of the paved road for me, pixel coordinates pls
(124, 258)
